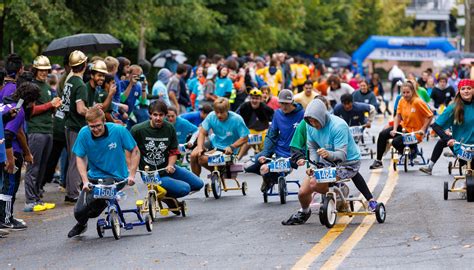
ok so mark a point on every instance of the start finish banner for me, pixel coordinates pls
(406, 55)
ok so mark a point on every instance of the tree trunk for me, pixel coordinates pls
(141, 43)
(2, 26)
(469, 27)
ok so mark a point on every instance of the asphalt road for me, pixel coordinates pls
(422, 231)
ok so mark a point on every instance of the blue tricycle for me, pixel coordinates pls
(283, 168)
(115, 219)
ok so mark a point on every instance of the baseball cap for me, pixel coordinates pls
(285, 96)
(211, 72)
(255, 92)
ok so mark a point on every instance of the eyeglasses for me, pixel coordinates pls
(96, 126)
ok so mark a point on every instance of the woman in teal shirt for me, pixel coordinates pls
(223, 83)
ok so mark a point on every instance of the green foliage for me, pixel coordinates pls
(206, 26)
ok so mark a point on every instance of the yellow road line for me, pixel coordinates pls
(334, 232)
(335, 261)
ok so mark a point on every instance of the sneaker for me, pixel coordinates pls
(3, 233)
(70, 200)
(17, 226)
(13, 220)
(6, 226)
(48, 206)
(77, 230)
(298, 218)
(171, 204)
(34, 207)
(376, 165)
(266, 184)
(372, 206)
(426, 170)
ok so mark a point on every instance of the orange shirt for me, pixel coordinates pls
(322, 87)
(413, 114)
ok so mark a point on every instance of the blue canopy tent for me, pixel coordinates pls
(402, 49)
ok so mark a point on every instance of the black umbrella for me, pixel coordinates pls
(159, 60)
(87, 43)
(341, 54)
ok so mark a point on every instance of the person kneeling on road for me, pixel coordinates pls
(340, 149)
(158, 144)
(229, 133)
(100, 154)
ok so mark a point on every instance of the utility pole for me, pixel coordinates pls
(469, 27)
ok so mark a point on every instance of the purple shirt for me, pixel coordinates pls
(7, 90)
(14, 126)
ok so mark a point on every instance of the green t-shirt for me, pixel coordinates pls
(90, 95)
(74, 90)
(42, 123)
(299, 138)
(100, 96)
(154, 144)
(423, 94)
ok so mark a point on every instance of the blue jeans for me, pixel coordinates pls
(180, 183)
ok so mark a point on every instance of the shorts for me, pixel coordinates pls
(348, 169)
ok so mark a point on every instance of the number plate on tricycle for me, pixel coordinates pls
(104, 192)
(325, 175)
(151, 178)
(255, 139)
(216, 160)
(356, 131)
(465, 154)
(409, 138)
(279, 166)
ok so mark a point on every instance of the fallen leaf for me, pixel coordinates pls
(416, 238)
(467, 246)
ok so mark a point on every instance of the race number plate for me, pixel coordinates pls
(356, 131)
(325, 175)
(104, 192)
(464, 154)
(409, 138)
(151, 178)
(255, 139)
(282, 165)
(217, 160)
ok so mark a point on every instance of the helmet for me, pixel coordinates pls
(255, 92)
(76, 58)
(41, 62)
(99, 66)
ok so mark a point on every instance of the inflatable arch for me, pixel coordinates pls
(402, 49)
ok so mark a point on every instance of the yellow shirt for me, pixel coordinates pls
(273, 81)
(300, 74)
(304, 100)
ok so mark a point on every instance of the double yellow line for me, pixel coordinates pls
(344, 250)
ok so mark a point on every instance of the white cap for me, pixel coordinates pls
(211, 72)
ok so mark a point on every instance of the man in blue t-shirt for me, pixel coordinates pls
(196, 118)
(284, 123)
(100, 150)
(229, 133)
(134, 91)
(354, 113)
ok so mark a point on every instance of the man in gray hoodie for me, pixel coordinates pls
(159, 90)
(329, 143)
